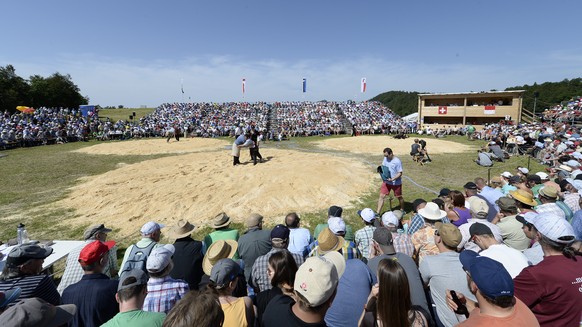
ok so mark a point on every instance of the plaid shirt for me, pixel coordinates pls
(73, 271)
(349, 250)
(163, 293)
(259, 277)
(417, 222)
(363, 238)
(403, 243)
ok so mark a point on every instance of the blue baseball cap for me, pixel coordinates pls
(491, 277)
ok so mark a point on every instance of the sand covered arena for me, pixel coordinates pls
(196, 180)
(375, 144)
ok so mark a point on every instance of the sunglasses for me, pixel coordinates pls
(436, 232)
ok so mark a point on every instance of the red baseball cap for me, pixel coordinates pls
(93, 251)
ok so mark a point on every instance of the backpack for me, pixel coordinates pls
(384, 172)
(137, 259)
(567, 211)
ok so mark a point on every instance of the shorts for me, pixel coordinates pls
(386, 188)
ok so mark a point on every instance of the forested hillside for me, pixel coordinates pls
(549, 93)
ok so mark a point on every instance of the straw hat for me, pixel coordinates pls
(328, 241)
(523, 197)
(218, 250)
(221, 220)
(432, 212)
(182, 229)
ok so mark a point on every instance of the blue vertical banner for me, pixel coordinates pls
(304, 85)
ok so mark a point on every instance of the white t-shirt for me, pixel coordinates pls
(513, 260)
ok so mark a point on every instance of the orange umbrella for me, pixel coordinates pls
(25, 109)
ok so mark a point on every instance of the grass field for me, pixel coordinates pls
(123, 114)
(33, 178)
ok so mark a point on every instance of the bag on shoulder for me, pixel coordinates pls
(137, 259)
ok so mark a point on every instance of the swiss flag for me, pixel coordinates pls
(442, 110)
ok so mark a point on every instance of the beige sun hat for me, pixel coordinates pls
(221, 220)
(182, 229)
(218, 250)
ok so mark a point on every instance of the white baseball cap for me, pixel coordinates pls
(555, 228)
(543, 175)
(150, 227)
(160, 257)
(389, 218)
(367, 214)
(336, 225)
(523, 170)
(506, 174)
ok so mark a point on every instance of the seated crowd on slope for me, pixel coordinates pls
(509, 248)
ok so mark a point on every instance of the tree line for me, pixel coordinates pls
(57, 90)
(549, 93)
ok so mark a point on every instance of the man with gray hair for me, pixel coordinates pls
(74, 271)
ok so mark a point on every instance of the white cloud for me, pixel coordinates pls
(114, 81)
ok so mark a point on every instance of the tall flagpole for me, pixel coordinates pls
(243, 88)
(182, 88)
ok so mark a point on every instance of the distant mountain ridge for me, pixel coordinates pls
(548, 94)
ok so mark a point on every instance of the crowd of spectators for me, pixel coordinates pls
(278, 120)
(509, 249)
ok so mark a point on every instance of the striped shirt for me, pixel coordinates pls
(163, 293)
(41, 286)
(259, 276)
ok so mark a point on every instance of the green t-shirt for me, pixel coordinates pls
(222, 234)
(349, 232)
(136, 318)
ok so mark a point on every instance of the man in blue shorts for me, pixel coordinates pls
(394, 183)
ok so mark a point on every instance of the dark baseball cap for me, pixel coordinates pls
(491, 277)
(335, 211)
(470, 186)
(138, 274)
(280, 231)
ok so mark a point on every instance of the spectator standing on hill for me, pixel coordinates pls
(394, 183)
(23, 269)
(187, 255)
(94, 294)
(74, 271)
(131, 293)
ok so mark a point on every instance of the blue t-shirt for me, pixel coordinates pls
(352, 294)
(395, 167)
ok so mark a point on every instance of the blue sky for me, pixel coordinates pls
(138, 52)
